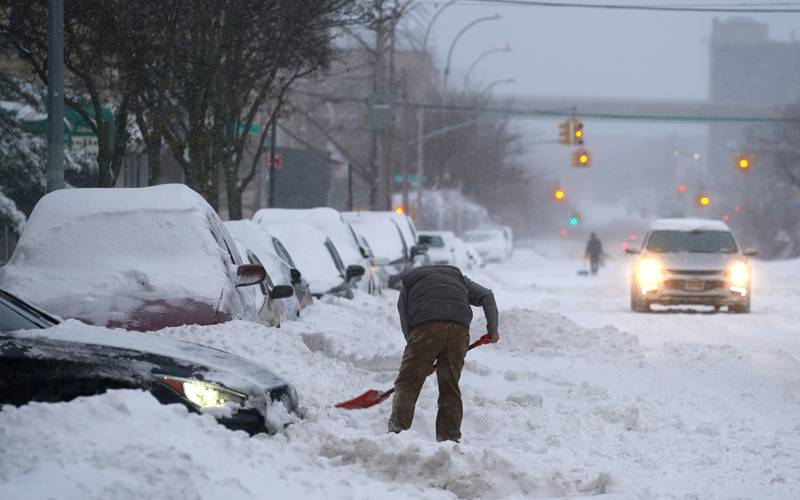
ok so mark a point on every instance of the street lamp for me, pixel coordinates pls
(478, 59)
(430, 24)
(488, 89)
(455, 41)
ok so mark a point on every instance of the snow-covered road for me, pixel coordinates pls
(580, 398)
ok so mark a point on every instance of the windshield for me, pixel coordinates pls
(431, 241)
(692, 242)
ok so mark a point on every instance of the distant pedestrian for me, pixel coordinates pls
(435, 313)
(594, 252)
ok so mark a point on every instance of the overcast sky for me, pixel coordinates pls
(578, 52)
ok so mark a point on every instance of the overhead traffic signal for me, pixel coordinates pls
(744, 161)
(581, 158)
(565, 132)
(577, 131)
(559, 194)
(704, 200)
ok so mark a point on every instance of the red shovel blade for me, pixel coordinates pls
(370, 398)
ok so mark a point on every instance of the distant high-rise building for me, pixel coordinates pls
(746, 67)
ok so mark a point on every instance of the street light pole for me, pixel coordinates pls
(455, 41)
(488, 89)
(420, 158)
(430, 24)
(481, 57)
(55, 95)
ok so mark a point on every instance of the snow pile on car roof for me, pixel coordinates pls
(100, 252)
(326, 219)
(306, 244)
(381, 232)
(688, 225)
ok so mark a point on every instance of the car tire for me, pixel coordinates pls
(638, 303)
(741, 308)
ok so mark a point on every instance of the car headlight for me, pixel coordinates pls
(649, 273)
(203, 394)
(739, 274)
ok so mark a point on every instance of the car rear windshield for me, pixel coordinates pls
(691, 241)
(431, 240)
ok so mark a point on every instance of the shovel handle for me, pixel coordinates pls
(485, 339)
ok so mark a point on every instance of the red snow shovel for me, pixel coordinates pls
(373, 396)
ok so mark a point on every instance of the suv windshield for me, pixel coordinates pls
(691, 241)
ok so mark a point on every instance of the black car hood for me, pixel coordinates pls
(142, 355)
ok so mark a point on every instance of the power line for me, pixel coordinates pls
(742, 8)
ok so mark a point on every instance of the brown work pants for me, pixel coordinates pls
(444, 343)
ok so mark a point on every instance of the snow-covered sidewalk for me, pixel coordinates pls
(580, 398)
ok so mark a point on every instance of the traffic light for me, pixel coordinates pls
(681, 188)
(577, 131)
(581, 158)
(704, 200)
(559, 194)
(744, 161)
(565, 132)
(574, 221)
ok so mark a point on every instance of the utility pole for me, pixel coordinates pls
(350, 187)
(55, 95)
(420, 158)
(273, 140)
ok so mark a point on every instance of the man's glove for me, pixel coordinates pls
(495, 337)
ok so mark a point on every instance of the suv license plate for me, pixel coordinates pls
(696, 285)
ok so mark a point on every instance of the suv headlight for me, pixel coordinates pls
(739, 274)
(649, 273)
(203, 394)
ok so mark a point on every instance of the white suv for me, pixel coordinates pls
(690, 261)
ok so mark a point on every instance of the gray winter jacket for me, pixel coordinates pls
(442, 293)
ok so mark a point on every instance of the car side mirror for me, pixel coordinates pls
(354, 271)
(418, 250)
(633, 251)
(295, 275)
(250, 274)
(750, 252)
(281, 292)
(363, 252)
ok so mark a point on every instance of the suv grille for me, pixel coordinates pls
(696, 273)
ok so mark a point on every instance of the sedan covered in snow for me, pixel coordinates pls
(136, 258)
(690, 261)
(42, 360)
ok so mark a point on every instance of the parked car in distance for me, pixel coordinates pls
(691, 261)
(135, 258)
(267, 296)
(491, 244)
(261, 244)
(319, 259)
(332, 225)
(441, 247)
(386, 240)
(43, 361)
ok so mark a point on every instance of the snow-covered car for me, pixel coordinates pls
(268, 297)
(261, 249)
(319, 260)
(491, 244)
(385, 237)
(332, 225)
(466, 256)
(135, 258)
(690, 261)
(42, 360)
(441, 247)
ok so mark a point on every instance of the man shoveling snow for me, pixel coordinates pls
(435, 313)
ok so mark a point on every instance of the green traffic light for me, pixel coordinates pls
(574, 221)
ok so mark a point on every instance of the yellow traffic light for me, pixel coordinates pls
(577, 132)
(559, 194)
(744, 161)
(564, 132)
(581, 158)
(704, 201)
(399, 210)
